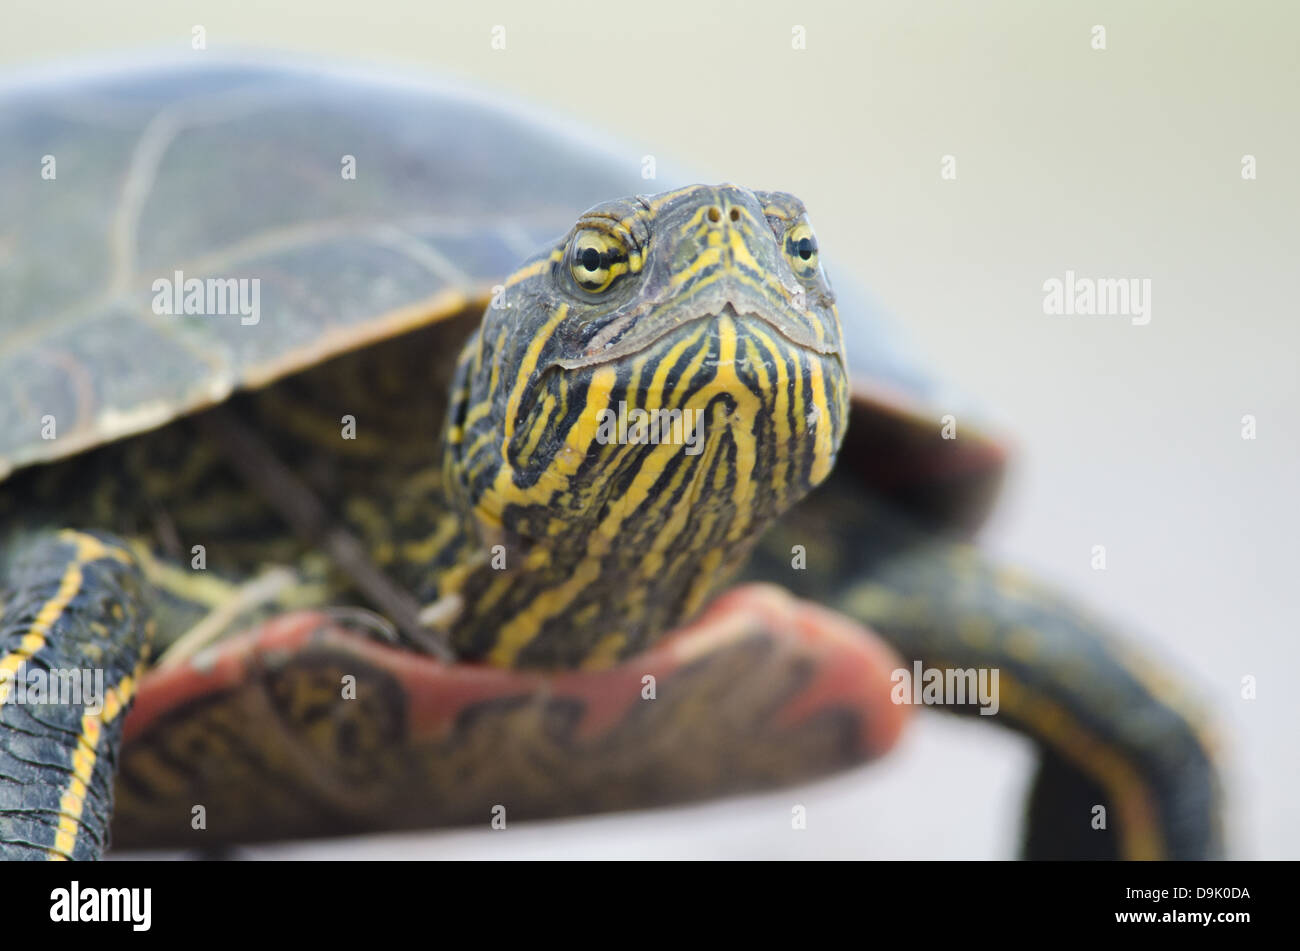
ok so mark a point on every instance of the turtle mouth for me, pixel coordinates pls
(632, 334)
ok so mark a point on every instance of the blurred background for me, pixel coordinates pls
(1122, 162)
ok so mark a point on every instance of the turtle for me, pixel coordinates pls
(356, 478)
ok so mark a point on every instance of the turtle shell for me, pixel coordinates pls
(363, 208)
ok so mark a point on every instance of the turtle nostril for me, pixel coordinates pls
(715, 214)
(735, 214)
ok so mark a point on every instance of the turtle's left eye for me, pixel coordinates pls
(801, 250)
(596, 259)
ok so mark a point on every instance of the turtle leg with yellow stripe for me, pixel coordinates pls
(1128, 760)
(74, 638)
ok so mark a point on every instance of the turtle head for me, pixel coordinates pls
(646, 396)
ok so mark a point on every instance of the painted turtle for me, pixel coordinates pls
(277, 341)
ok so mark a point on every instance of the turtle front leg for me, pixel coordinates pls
(74, 634)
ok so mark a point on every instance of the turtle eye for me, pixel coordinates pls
(596, 259)
(801, 250)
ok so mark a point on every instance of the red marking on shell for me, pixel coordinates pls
(850, 669)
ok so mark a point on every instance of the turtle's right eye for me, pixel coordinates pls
(596, 259)
(801, 250)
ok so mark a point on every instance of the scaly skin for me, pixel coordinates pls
(75, 605)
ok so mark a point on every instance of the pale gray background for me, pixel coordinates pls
(1123, 163)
